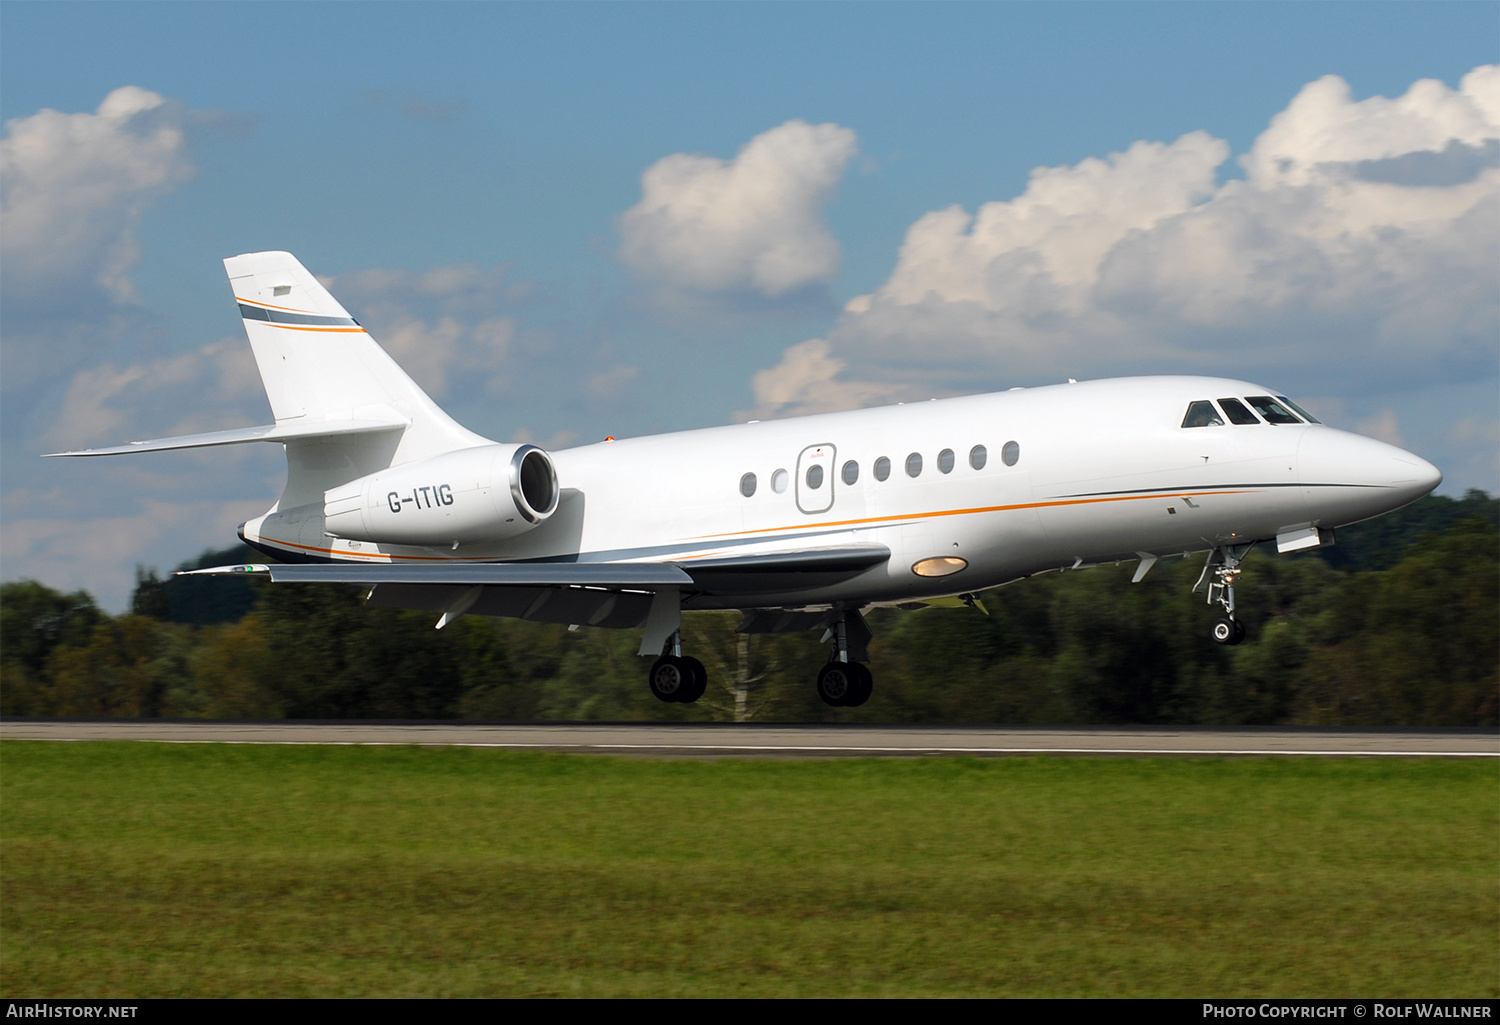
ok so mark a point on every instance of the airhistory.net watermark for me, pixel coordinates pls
(66, 1009)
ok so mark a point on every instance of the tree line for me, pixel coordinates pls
(1398, 624)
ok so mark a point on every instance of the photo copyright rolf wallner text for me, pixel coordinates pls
(1373, 1009)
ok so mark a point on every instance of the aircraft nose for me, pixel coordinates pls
(1426, 476)
(1348, 477)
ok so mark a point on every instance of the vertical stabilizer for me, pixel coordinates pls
(318, 364)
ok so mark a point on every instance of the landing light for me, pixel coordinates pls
(942, 566)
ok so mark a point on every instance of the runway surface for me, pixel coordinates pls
(805, 741)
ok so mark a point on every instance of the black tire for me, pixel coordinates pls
(864, 685)
(670, 678)
(1224, 631)
(699, 682)
(837, 683)
(1239, 631)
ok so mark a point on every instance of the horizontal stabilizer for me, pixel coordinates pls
(638, 575)
(245, 435)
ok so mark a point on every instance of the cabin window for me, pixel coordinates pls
(851, 472)
(1304, 414)
(778, 481)
(1273, 411)
(747, 485)
(945, 460)
(1010, 454)
(882, 468)
(1202, 414)
(814, 477)
(1237, 412)
(914, 465)
(978, 456)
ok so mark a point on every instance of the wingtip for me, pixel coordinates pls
(254, 567)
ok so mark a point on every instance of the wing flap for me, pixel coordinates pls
(611, 610)
(784, 571)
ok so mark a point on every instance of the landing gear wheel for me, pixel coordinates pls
(672, 678)
(864, 685)
(839, 684)
(699, 682)
(1228, 631)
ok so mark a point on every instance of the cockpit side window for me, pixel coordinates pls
(1273, 411)
(1304, 414)
(1202, 414)
(1237, 412)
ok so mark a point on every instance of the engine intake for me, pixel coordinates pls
(487, 493)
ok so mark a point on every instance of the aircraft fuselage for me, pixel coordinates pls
(1070, 475)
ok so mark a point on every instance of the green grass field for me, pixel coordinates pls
(144, 870)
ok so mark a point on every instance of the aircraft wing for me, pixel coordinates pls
(607, 594)
(807, 568)
(645, 576)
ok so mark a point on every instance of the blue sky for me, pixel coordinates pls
(381, 143)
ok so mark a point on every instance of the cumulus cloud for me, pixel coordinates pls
(1359, 247)
(87, 522)
(457, 330)
(210, 388)
(808, 380)
(72, 190)
(443, 325)
(751, 224)
(1383, 427)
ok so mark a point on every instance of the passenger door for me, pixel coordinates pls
(814, 483)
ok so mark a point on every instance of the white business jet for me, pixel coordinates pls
(799, 524)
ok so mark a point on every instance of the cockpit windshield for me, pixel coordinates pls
(1273, 411)
(1304, 414)
(1278, 410)
(1236, 411)
(1202, 414)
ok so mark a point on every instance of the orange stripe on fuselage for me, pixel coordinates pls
(801, 526)
(965, 512)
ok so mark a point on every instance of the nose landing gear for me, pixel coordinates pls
(1228, 631)
(1223, 566)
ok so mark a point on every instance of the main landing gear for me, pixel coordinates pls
(676, 677)
(1223, 566)
(844, 682)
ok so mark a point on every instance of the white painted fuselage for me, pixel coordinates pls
(1101, 471)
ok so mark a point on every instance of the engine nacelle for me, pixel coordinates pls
(487, 493)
